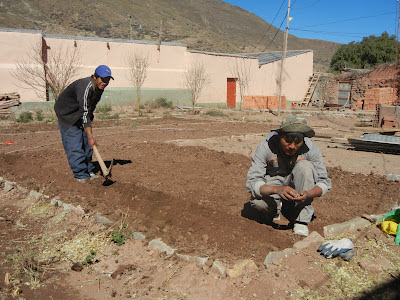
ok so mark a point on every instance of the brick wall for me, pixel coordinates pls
(385, 96)
(263, 102)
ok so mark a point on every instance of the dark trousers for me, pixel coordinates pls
(79, 153)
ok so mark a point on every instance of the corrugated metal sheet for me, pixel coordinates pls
(377, 143)
(263, 58)
(266, 58)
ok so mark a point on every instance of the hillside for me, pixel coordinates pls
(209, 25)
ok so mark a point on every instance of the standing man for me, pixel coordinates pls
(74, 109)
(287, 173)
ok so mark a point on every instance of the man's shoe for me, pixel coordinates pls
(81, 180)
(300, 229)
(93, 176)
(270, 218)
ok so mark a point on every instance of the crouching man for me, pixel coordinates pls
(287, 173)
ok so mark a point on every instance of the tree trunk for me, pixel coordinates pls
(138, 100)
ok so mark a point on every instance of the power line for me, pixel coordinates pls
(346, 20)
(351, 34)
(277, 31)
(270, 25)
(300, 8)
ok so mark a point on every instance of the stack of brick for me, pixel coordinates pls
(385, 96)
(263, 102)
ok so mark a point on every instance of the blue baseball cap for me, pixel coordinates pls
(103, 71)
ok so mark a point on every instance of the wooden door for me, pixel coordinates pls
(231, 93)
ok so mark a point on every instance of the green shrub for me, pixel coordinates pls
(39, 116)
(118, 237)
(214, 113)
(25, 117)
(163, 102)
(90, 259)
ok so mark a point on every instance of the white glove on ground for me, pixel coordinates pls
(334, 248)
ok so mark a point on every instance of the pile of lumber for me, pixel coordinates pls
(7, 101)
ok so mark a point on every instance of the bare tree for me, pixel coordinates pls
(46, 71)
(196, 79)
(241, 71)
(138, 64)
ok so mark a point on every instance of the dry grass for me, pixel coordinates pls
(348, 280)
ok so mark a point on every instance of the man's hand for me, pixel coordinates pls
(304, 195)
(91, 140)
(288, 193)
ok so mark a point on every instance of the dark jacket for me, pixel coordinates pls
(77, 103)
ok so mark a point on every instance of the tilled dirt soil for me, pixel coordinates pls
(182, 179)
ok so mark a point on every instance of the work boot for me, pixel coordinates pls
(93, 176)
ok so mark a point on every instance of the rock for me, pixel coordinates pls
(241, 268)
(201, 261)
(79, 209)
(373, 218)
(139, 236)
(160, 246)
(35, 195)
(346, 227)
(375, 266)
(313, 238)
(67, 207)
(8, 185)
(275, 257)
(103, 220)
(219, 268)
(22, 189)
(77, 267)
(56, 202)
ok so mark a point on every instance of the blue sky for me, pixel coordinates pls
(330, 20)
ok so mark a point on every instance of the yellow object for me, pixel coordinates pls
(389, 227)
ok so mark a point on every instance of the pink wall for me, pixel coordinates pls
(167, 68)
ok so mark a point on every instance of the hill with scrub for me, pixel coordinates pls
(208, 25)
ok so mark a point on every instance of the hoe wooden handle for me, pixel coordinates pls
(100, 160)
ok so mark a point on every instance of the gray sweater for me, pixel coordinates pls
(270, 160)
(77, 103)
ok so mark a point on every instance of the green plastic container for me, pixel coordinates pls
(394, 215)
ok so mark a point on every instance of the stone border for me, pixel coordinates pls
(240, 268)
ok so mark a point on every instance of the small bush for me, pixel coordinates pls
(107, 116)
(105, 108)
(164, 103)
(118, 237)
(39, 116)
(214, 113)
(90, 259)
(25, 117)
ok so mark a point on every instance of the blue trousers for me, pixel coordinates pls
(79, 153)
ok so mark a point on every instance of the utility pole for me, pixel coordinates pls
(283, 59)
(397, 39)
